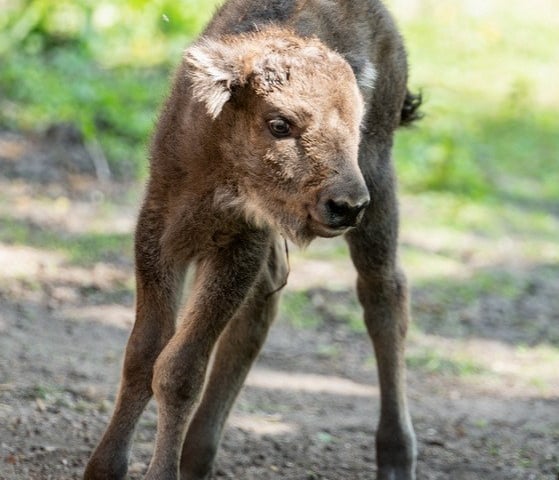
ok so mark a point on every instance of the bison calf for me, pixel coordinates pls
(279, 124)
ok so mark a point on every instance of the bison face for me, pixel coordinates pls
(286, 116)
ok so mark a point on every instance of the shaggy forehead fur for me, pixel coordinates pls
(266, 60)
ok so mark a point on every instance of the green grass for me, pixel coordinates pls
(432, 361)
(83, 249)
(497, 283)
(511, 156)
(298, 309)
(350, 313)
(102, 66)
(487, 73)
(117, 106)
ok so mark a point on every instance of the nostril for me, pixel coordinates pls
(338, 208)
(344, 214)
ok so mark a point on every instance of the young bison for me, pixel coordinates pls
(279, 124)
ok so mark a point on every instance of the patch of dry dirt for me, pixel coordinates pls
(309, 408)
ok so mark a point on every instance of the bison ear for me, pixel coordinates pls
(213, 73)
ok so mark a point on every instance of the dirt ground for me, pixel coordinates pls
(483, 383)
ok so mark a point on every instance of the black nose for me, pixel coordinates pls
(344, 212)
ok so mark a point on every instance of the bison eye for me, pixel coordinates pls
(279, 128)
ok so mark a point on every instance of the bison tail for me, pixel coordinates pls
(410, 110)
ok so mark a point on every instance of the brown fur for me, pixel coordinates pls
(280, 122)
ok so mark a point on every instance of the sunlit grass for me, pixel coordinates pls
(117, 106)
(297, 308)
(433, 361)
(80, 249)
(487, 72)
(484, 361)
(104, 67)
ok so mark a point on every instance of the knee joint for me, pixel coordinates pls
(176, 381)
(382, 287)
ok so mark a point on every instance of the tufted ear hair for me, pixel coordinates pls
(215, 68)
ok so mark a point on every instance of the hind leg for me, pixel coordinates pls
(382, 291)
(237, 348)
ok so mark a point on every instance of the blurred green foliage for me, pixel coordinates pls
(487, 70)
(433, 361)
(103, 66)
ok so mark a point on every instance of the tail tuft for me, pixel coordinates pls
(410, 110)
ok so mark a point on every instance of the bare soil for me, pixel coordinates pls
(483, 383)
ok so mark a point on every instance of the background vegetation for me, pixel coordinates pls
(102, 66)
(488, 71)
